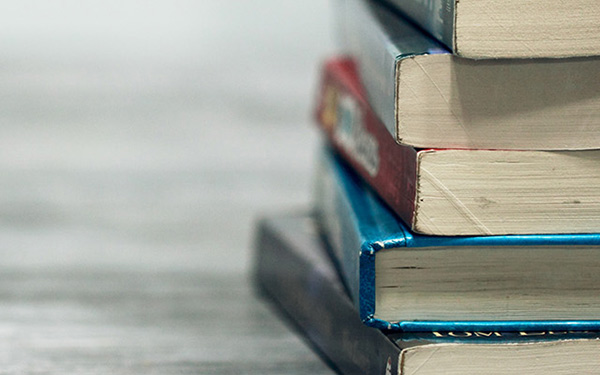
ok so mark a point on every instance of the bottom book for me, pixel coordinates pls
(293, 271)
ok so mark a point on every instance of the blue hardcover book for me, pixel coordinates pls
(429, 98)
(293, 270)
(405, 281)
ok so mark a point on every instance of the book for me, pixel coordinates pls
(294, 272)
(410, 282)
(459, 192)
(429, 98)
(509, 28)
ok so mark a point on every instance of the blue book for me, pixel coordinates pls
(409, 282)
(293, 271)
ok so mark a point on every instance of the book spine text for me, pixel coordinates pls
(359, 136)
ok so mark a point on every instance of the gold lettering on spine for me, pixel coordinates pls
(488, 334)
(460, 334)
(532, 333)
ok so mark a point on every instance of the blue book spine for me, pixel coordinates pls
(435, 16)
(357, 225)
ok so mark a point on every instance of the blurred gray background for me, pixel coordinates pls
(138, 142)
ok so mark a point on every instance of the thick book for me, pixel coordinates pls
(459, 192)
(483, 29)
(294, 272)
(429, 98)
(405, 281)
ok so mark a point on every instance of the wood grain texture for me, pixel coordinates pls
(125, 322)
(133, 161)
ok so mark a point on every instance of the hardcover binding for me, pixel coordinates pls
(354, 207)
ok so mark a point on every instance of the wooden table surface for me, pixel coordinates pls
(139, 140)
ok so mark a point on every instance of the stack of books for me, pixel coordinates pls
(456, 227)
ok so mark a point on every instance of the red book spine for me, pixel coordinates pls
(356, 133)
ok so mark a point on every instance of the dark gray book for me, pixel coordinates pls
(295, 273)
(429, 98)
(509, 28)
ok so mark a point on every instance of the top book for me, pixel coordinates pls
(482, 29)
(429, 98)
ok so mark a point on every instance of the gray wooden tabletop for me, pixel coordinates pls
(138, 142)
